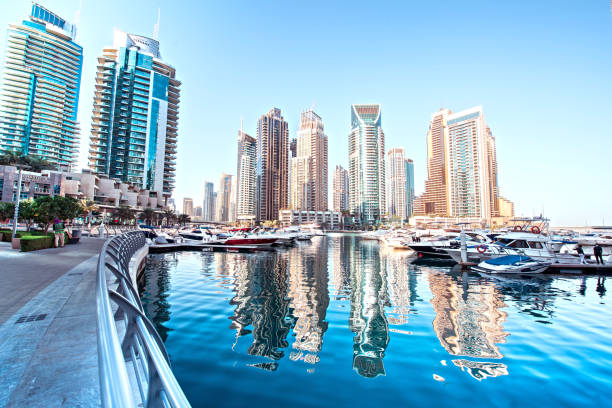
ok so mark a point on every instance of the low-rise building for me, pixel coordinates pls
(107, 193)
(325, 219)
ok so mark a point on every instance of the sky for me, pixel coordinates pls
(540, 69)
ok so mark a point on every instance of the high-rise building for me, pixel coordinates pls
(309, 183)
(208, 204)
(135, 114)
(341, 189)
(246, 178)
(40, 90)
(397, 205)
(224, 198)
(367, 164)
(462, 167)
(188, 206)
(409, 188)
(293, 148)
(197, 212)
(434, 201)
(272, 165)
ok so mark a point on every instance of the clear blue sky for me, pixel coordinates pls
(541, 69)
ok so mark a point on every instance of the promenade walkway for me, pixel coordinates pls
(48, 348)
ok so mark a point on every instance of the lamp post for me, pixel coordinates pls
(16, 216)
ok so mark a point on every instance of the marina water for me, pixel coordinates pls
(339, 321)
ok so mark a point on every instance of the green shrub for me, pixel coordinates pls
(32, 243)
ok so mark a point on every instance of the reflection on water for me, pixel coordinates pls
(296, 310)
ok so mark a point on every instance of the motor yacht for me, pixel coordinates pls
(512, 264)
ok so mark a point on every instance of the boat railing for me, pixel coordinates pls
(134, 367)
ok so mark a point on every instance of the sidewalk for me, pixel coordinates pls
(48, 348)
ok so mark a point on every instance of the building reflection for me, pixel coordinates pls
(468, 322)
(309, 298)
(260, 299)
(154, 288)
(367, 318)
(341, 247)
(402, 282)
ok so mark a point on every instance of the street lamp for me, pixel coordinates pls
(16, 216)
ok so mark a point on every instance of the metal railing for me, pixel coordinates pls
(133, 364)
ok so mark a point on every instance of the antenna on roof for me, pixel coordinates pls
(241, 125)
(156, 26)
(313, 104)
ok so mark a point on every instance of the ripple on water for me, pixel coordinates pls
(336, 322)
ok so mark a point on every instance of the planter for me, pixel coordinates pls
(16, 242)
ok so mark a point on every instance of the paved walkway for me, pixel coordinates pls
(48, 346)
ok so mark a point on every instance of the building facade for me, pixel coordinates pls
(462, 167)
(367, 164)
(208, 204)
(272, 165)
(40, 89)
(135, 114)
(106, 193)
(397, 182)
(246, 178)
(434, 201)
(188, 206)
(324, 219)
(309, 180)
(409, 188)
(224, 198)
(341, 189)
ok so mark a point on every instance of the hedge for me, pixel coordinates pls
(32, 243)
(6, 235)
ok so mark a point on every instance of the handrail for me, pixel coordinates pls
(133, 364)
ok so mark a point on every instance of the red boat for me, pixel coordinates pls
(248, 241)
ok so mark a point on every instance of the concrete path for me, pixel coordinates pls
(48, 348)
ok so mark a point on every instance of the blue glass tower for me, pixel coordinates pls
(135, 115)
(40, 90)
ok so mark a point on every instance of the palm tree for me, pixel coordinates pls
(147, 215)
(183, 219)
(169, 215)
(88, 207)
(125, 213)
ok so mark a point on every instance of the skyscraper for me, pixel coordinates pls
(396, 184)
(272, 165)
(462, 167)
(409, 188)
(341, 189)
(135, 114)
(208, 204)
(188, 206)
(246, 177)
(367, 164)
(434, 201)
(309, 180)
(470, 178)
(224, 198)
(40, 90)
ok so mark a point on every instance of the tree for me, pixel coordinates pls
(7, 210)
(31, 162)
(88, 207)
(183, 219)
(169, 215)
(48, 209)
(27, 211)
(147, 215)
(124, 213)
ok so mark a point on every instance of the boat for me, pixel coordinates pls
(373, 235)
(512, 264)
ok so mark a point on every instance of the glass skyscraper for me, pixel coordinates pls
(135, 114)
(40, 90)
(367, 164)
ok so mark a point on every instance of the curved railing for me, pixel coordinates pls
(133, 364)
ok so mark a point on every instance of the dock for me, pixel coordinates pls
(161, 248)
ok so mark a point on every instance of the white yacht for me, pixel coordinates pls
(512, 264)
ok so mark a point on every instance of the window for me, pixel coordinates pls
(519, 243)
(535, 245)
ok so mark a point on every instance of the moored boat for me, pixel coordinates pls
(512, 264)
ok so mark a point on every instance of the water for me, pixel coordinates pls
(340, 322)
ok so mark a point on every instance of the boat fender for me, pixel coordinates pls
(535, 229)
(481, 248)
(517, 228)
